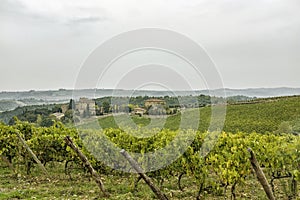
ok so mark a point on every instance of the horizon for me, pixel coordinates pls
(124, 89)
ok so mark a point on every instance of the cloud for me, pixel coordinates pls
(243, 37)
(56, 11)
(90, 19)
(10, 7)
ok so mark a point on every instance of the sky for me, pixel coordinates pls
(44, 44)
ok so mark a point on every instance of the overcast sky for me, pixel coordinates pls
(254, 43)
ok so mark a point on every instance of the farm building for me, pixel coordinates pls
(58, 115)
(86, 107)
(139, 111)
(152, 102)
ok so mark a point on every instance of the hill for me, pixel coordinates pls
(262, 115)
(33, 97)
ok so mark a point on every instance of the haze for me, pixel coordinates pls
(253, 43)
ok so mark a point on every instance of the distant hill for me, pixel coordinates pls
(6, 105)
(11, 104)
(262, 92)
(15, 99)
(262, 115)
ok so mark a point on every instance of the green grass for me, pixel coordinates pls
(120, 121)
(120, 187)
(263, 116)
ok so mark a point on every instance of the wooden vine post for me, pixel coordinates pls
(147, 179)
(85, 161)
(32, 154)
(260, 175)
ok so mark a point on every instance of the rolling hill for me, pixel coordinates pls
(264, 115)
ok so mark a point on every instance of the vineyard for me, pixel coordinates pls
(264, 115)
(225, 172)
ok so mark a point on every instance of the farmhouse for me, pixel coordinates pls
(153, 102)
(139, 111)
(58, 115)
(86, 107)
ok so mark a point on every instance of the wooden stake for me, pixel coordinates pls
(85, 161)
(260, 175)
(32, 154)
(147, 179)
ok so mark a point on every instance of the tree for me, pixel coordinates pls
(47, 122)
(39, 120)
(105, 106)
(57, 108)
(72, 105)
(69, 117)
(86, 112)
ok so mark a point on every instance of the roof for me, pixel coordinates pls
(139, 109)
(86, 100)
(154, 100)
(58, 115)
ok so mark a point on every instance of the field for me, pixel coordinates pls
(269, 126)
(60, 186)
(265, 115)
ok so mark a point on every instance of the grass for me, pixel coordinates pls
(263, 116)
(120, 187)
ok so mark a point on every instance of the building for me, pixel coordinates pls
(86, 107)
(139, 111)
(155, 107)
(64, 108)
(153, 102)
(58, 115)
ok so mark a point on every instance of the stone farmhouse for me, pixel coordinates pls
(154, 102)
(139, 111)
(85, 107)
